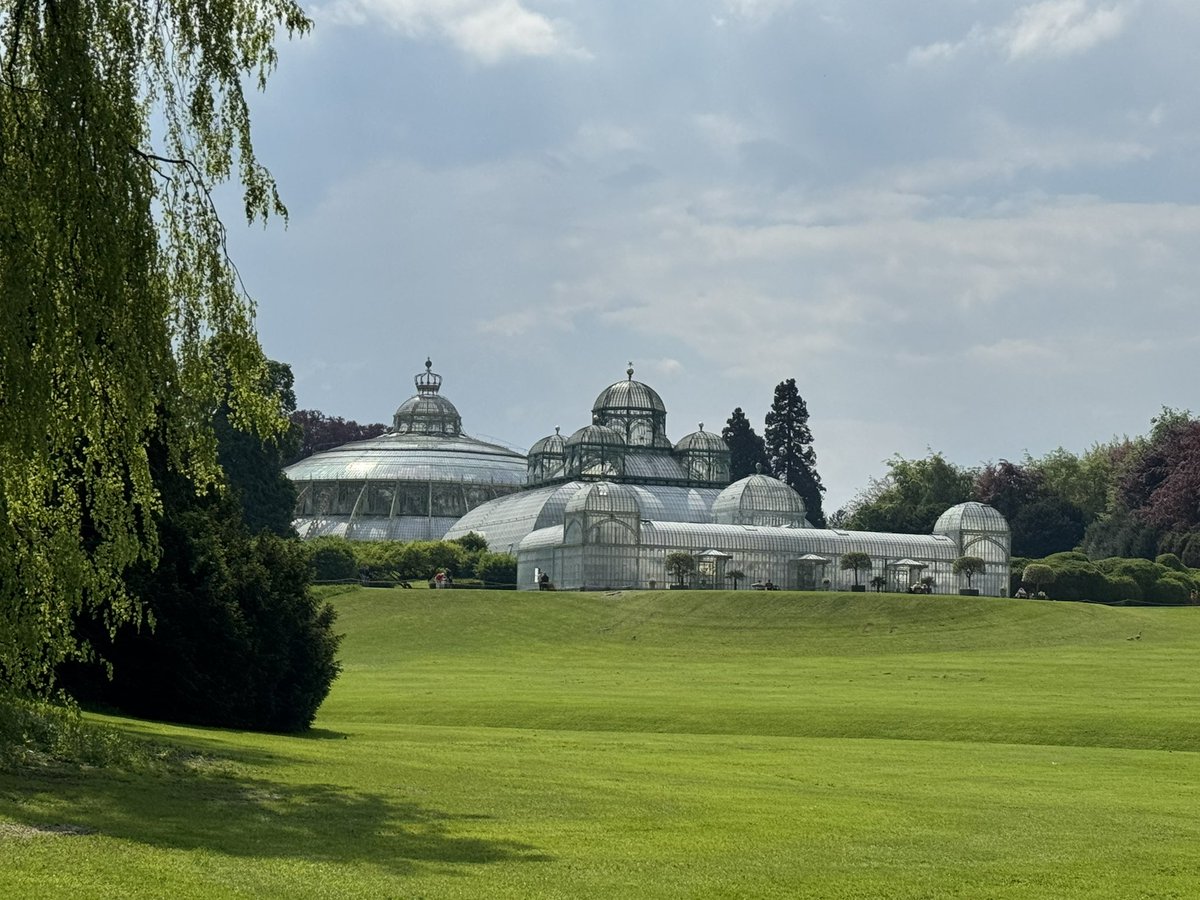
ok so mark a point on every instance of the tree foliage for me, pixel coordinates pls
(968, 567)
(318, 432)
(747, 451)
(1039, 575)
(117, 119)
(680, 565)
(231, 635)
(856, 560)
(253, 465)
(788, 441)
(909, 499)
(1163, 484)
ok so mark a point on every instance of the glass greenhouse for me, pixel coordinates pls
(607, 542)
(412, 483)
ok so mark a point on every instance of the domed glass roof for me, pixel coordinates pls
(554, 444)
(759, 500)
(706, 441)
(428, 412)
(605, 497)
(628, 396)
(973, 517)
(597, 435)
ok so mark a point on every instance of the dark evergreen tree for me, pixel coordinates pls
(747, 451)
(254, 466)
(232, 636)
(788, 442)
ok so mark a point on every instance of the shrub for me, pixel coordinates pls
(497, 569)
(233, 636)
(1171, 561)
(331, 559)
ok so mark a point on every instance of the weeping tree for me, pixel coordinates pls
(118, 118)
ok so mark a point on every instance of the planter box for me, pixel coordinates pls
(969, 592)
(858, 588)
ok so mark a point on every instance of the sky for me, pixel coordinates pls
(962, 226)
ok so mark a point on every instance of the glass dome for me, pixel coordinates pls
(705, 457)
(595, 451)
(547, 458)
(428, 412)
(412, 483)
(634, 409)
(605, 497)
(759, 500)
(971, 517)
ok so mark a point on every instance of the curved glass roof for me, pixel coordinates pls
(553, 444)
(427, 412)
(628, 396)
(414, 457)
(759, 500)
(605, 497)
(971, 516)
(706, 441)
(596, 435)
(507, 520)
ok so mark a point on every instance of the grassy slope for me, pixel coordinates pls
(676, 744)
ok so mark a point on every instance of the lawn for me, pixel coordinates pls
(670, 744)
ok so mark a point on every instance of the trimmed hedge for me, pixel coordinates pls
(1114, 580)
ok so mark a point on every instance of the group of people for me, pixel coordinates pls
(920, 588)
(441, 580)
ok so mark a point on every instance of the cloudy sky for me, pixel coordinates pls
(961, 225)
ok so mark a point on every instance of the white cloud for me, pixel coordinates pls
(1049, 28)
(1061, 27)
(488, 31)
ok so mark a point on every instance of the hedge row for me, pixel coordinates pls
(1114, 580)
(336, 559)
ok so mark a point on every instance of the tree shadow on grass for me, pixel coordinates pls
(253, 818)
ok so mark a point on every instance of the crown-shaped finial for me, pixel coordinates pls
(701, 426)
(428, 382)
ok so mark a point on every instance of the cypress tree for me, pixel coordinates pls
(788, 442)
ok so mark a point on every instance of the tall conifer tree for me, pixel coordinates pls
(789, 446)
(746, 449)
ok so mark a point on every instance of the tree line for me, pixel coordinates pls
(1127, 497)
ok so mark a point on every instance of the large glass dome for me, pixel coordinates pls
(412, 483)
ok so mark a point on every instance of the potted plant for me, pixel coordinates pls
(856, 560)
(879, 582)
(968, 567)
(927, 582)
(735, 576)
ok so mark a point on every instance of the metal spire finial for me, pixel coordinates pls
(629, 371)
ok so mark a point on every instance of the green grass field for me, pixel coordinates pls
(671, 744)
